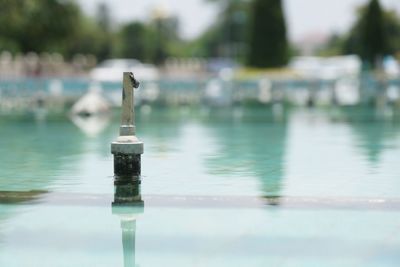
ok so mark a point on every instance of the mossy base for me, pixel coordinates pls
(127, 165)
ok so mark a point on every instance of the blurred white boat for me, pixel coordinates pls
(92, 103)
(111, 70)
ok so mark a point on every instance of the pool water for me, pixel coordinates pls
(221, 187)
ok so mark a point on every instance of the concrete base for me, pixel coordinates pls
(127, 145)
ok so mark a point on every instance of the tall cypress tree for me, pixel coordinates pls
(374, 40)
(268, 45)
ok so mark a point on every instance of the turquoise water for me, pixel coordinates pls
(221, 187)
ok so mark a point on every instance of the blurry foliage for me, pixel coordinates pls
(90, 39)
(8, 44)
(207, 45)
(103, 20)
(268, 44)
(249, 31)
(164, 33)
(37, 25)
(132, 41)
(60, 26)
(228, 36)
(149, 42)
(369, 36)
(103, 17)
(333, 47)
(375, 34)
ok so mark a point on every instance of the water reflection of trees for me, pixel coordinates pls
(158, 126)
(250, 142)
(375, 132)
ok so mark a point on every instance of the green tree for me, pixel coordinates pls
(374, 35)
(268, 45)
(227, 37)
(47, 24)
(11, 22)
(208, 44)
(150, 42)
(54, 26)
(134, 41)
(164, 33)
(103, 19)
(392, 26)
(37, 25)
(230, 30)
(333, 47)
(89, 39)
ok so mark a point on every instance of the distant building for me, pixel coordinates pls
(326, 67)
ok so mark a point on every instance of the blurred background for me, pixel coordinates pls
(199, 52)
(271, 132)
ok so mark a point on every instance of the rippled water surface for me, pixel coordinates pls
(221, 187)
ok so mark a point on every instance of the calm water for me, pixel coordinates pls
(226, 187)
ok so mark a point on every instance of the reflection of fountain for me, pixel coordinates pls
(91, 125)
(91, 112)
(128, 205)
(92, 103)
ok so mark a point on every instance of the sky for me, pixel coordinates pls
(304, 17)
